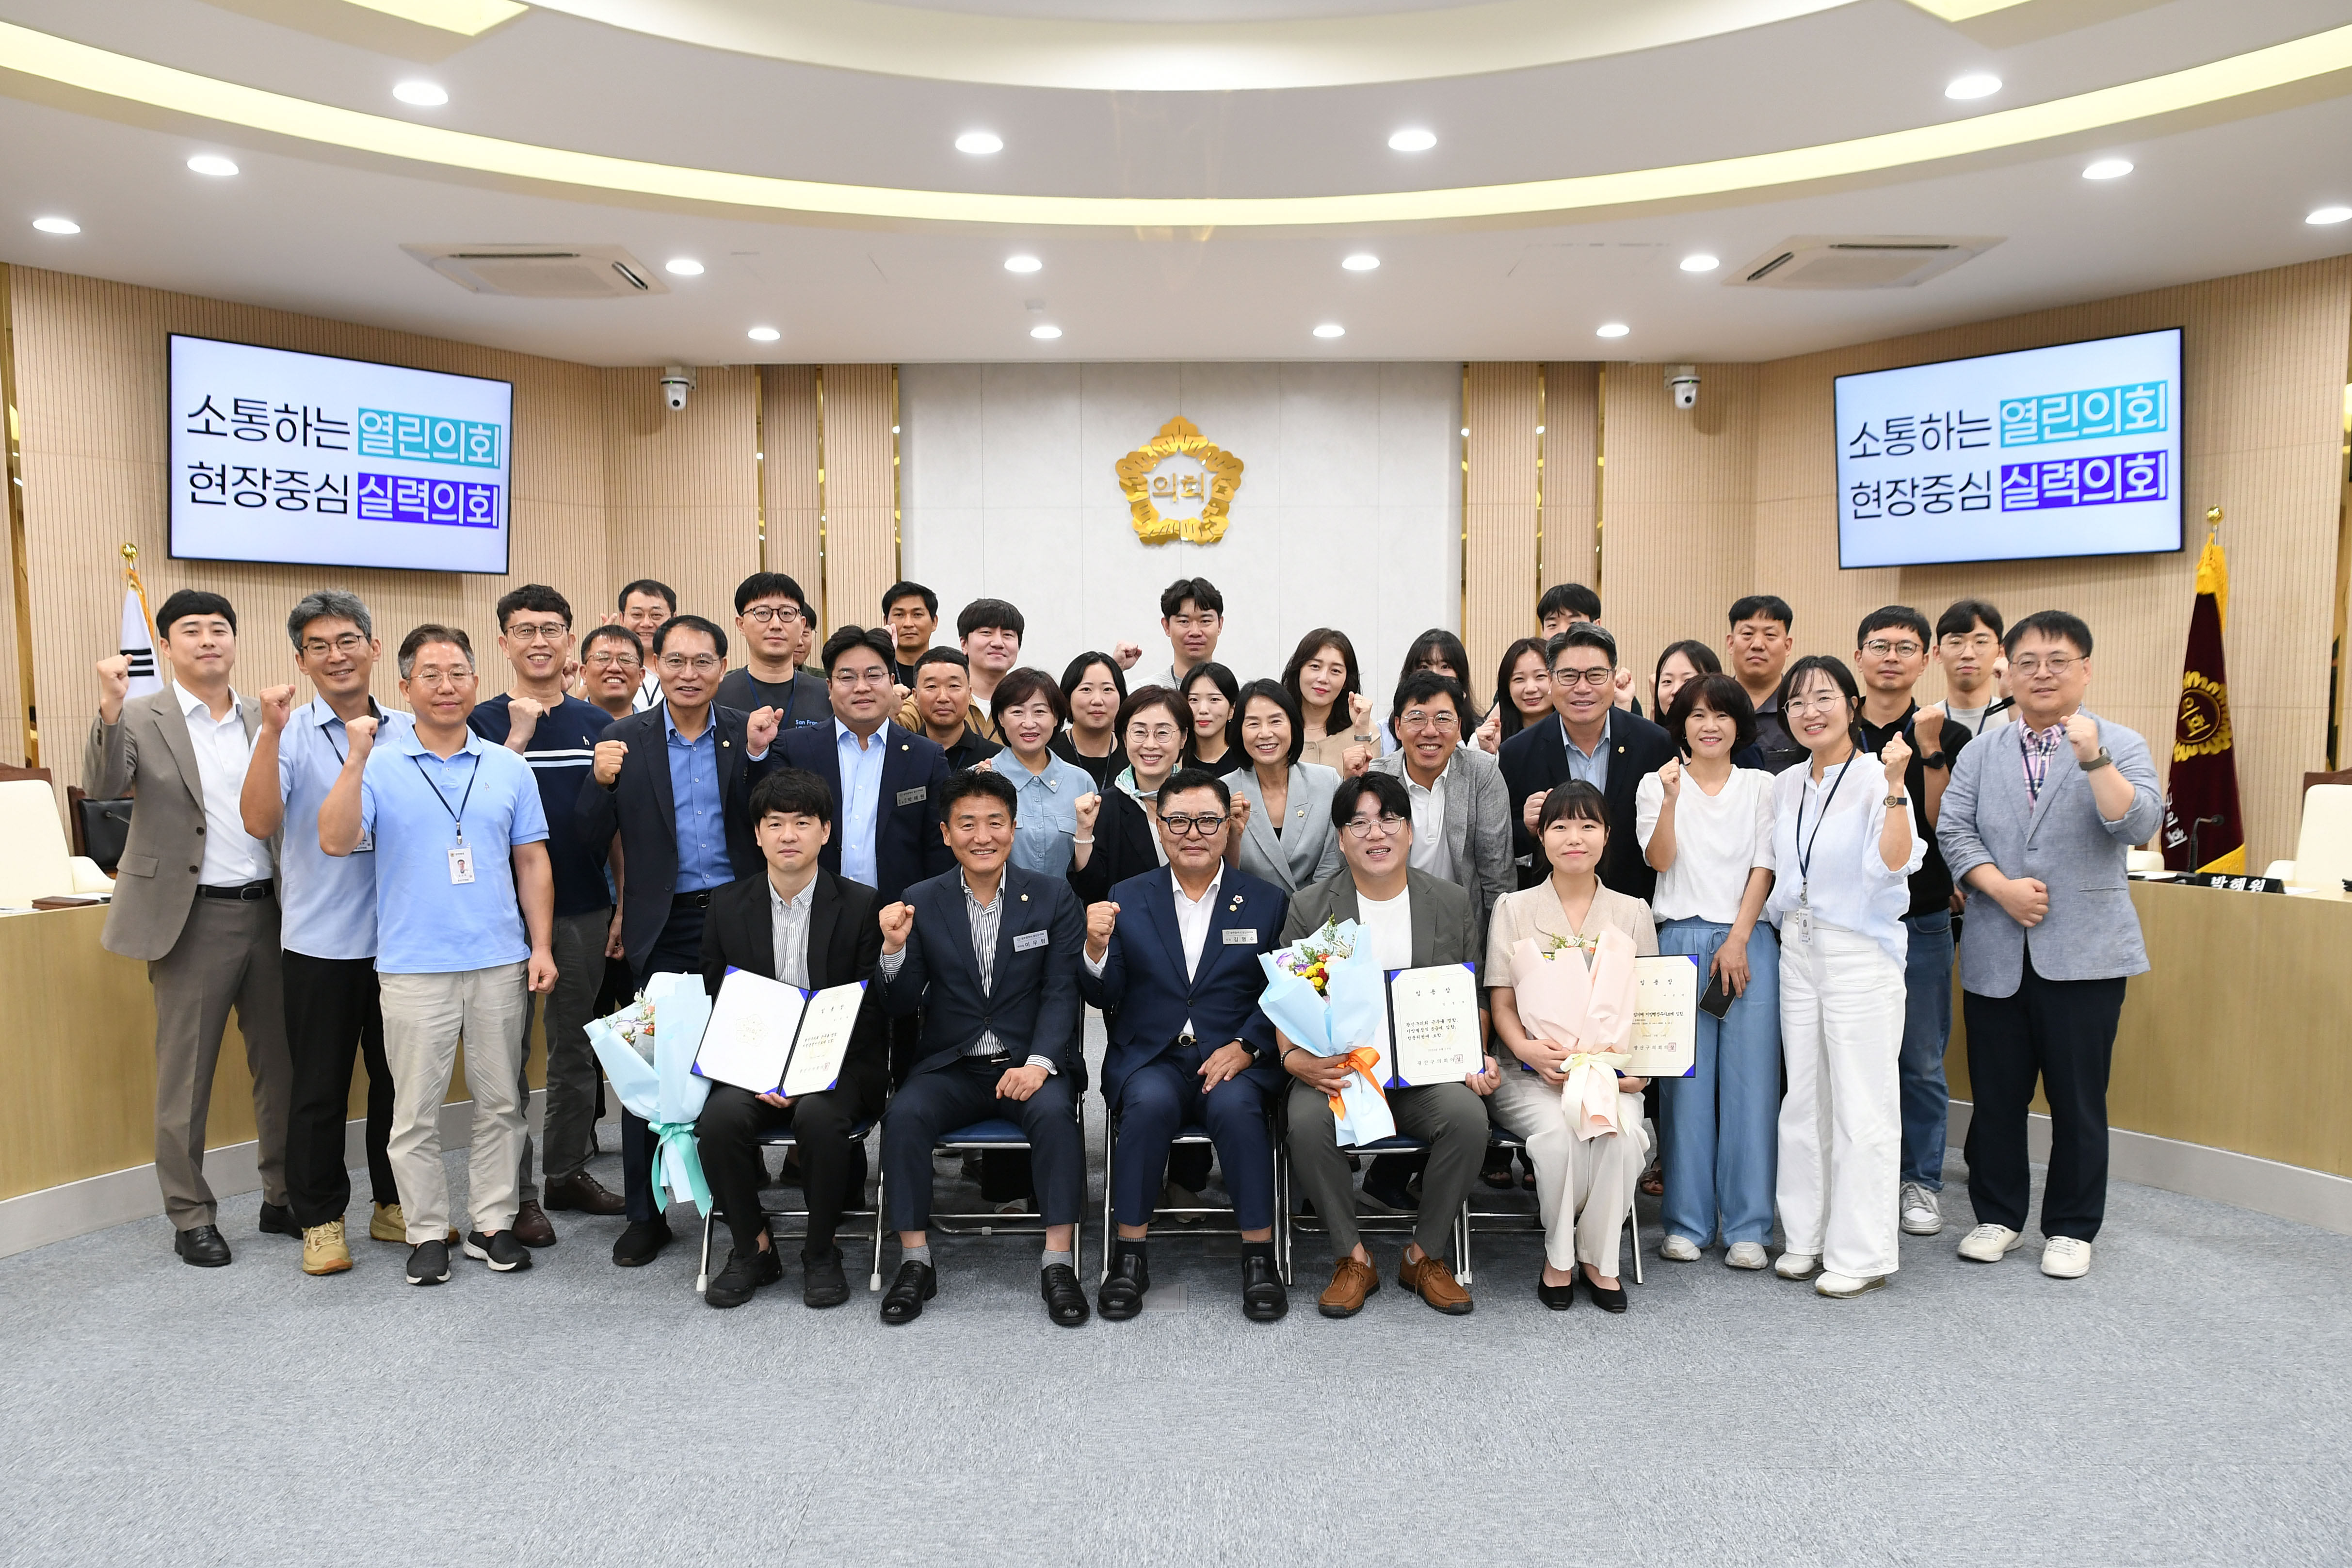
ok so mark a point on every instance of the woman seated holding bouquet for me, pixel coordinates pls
(1581, 1122)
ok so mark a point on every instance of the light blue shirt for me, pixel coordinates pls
(412, 804)
(1593, 768)
(1046, 827)
(700, 811)
(861, 799)
(327, 902)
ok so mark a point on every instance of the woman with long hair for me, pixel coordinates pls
(1522, 693)
(1682, 663)
(1093, 686)
(1213, 694)
(1282, 807)
(1335, 716)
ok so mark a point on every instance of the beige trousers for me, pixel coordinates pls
(425, 1017)
(1583, 1186)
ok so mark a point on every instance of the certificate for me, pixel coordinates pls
(1665, 1042)
(750, 1034)
(1434, 1026)
(826, 1025)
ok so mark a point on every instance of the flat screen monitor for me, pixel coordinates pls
(2073, 450)
(309, 460)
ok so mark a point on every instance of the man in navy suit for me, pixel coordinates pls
(1172, 960)
(1591, 740)
(990, 952)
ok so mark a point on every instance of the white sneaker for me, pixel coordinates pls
(1990, 1244)
(2065, 1258)
(1921, 1216)
(1745, 1255)
(1845, 1286)
(1796, 1264)
(1679, 1249)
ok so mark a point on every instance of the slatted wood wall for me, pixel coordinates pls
(860, 491)
(790, 498)
(1500, 481)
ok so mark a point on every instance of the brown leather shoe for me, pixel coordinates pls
(530, 1227)
(1351, 1283)
(1434, 1283)
(584, 1194)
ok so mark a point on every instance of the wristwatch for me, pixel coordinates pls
(1898, 800)
(2102, 761)
(1936, 759)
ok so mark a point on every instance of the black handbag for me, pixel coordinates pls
(105, 828)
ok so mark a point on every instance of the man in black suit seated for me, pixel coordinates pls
(990, 952)
(1591, 740)
(799, 923)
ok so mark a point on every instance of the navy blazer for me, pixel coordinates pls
(1033, 1005)
(1535, 761)
(1143, 991)
(641, 808)
(906, 843)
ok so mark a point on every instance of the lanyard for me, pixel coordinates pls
(458, 816)
(328, 736)
(1805, 848)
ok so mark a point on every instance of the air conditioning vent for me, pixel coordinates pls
(541, 272)
(1858, 260)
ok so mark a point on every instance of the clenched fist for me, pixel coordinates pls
(277, 703)
(361, 733)
(1490, 733)
(898, 925)
(1087, 806)
(1896, 756)
(1354, 761)
(2082, 735)
(523, 714)
(1101, 919)
(1237, 818)
(760, 730)
(1125, 654)
(113, 685)
(1670, 779)
(610, 755)
(1622, 682)
(1360, 712)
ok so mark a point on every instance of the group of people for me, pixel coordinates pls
(991, 850)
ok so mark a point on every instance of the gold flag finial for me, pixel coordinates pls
(130, 554)
(2212, 520)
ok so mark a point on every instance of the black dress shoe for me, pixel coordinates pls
(823, 1283)
(276, 1219)
(204, 1247)
(1064, 1303)
(641, 1242)
(1262, 1298)
(742, 1277)
(530, 1226)
(1121, 1296)
(916, 1284)
(1607, 1300)
(1559, 1298)
(582, 1193)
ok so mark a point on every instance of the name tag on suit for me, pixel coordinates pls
(1241, 936)
(910, 796)
(1029, 940)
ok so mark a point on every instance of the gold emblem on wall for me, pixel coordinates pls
(1177, 485)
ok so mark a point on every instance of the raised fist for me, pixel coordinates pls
(523, 714)
(1087, 806)
(1670, 779)
(898, 925)
(2082, 735)
(277, 703)
(1101, 919)
(1623, 684)
(610, 755)
(1360, 712)
(113, 685)
(1896, 756)
(1125, 654)
(760, 730)
(1490, 733)
(362, 735)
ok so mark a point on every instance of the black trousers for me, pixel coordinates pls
(677, 950)
(2063, 1033)
(331, 1011)
(833, 1168)
(932, 1104)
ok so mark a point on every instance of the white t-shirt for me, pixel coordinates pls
(1974, 718)
(1389, 922)
(1718, 839)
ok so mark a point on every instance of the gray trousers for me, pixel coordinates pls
(1452, 1117)
(570, 1122)
(227, 956)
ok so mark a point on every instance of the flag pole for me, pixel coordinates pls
(131, 570)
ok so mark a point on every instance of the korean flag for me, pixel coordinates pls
(139, 645)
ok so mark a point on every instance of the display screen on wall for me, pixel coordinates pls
(2073, 450)
(316, 461)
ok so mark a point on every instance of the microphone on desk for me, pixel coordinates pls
(2195, 859)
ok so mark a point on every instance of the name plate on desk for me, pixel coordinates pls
(2232, 884)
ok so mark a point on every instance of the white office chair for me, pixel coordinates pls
(33, 859)
(2144, 860)
(2322, 849)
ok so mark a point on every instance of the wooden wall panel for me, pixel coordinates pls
(682, 489)
(860, 491)
(790, 500)
(1571, 473)
(1501, 484)
(14, 733)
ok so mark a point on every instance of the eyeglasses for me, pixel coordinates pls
(614, 661)
(1593, 677)
(849, 679)
(1422, 719)
(1385, 826)
(2030, 666)
(783, 614)
(1828, 702)
(1879, 647)
(1966, 639)
(679, 663)
(537, 631)
(1192, 826)
(349, 643)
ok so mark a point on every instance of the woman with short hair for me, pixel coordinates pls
(1117, 836)
(1028, 711)
(1093, 686)
(1284, 833)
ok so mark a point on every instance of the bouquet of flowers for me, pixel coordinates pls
(1326, 995)
(647, 1050)
(1579, 991)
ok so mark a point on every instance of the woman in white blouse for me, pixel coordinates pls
(1706, 828)
(1842, 841)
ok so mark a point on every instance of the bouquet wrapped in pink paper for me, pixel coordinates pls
(1581, 995)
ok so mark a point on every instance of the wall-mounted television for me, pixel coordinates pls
(2072, 450)
(311, 460)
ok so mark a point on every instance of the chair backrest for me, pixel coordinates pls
(2323, 850)
(2342, 776)
(33, 842)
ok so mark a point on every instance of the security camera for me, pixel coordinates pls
(676, 380)
(1682, 380)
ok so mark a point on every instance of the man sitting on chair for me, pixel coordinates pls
(799, 923)
(1172, 960)
(990, 954)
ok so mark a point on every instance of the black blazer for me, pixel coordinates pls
(906, 843)
(640, 807)
(1536, 760)
(1124, 847)
(845, 944)
(1033, 1005)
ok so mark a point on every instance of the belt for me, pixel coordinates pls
(249, 893)
(700, 900)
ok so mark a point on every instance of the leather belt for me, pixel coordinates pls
(248, 893)
(699, 901)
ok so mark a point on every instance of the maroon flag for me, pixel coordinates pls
(2202, 828)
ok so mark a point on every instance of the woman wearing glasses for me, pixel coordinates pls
(1282, 806)
(1115, 838)
(1844, 850)
(1028, 710)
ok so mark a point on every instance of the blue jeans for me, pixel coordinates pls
(1926, 1029)
(1718, 1128)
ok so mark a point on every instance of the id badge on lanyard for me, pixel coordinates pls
(1800, 924)
(461, 864)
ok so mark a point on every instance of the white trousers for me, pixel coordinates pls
(1583, 1186)
(1841, 1003)
(425, 1016)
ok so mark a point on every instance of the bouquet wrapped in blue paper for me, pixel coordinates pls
(1326, 993)
(648, 1049)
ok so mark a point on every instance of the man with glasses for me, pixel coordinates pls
(772, 617)
(644, 605)
(2037, 824)
(675, 784)
(612, 665)
(1605, 746)
(1461, 808)
(1968, 644)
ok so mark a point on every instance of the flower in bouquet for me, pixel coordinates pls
(1311, 958)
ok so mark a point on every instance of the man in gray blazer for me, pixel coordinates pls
(2036, 824)
(1461, 808)
(197, 898)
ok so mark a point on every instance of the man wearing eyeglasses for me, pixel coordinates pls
(1968, 644)
(772, 617)
(675, 783)
(1606, 746)
(1461, 808)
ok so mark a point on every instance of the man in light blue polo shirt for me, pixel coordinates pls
(465, 919)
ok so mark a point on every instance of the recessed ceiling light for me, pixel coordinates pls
(423, 94)
(1702, 262)
(2107, 169)
(56, 226)
(1612, 330)
(763, 334)
(683, 265)
(1045, 332)
(980, 142)
(1362, 261)
(212, 163)
(1412, 141)
(2328, 215)
(1976, 84)
(1330, 329)
(1022, 264)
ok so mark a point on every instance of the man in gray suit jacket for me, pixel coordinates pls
(197, 898)
(2036, 824)
(1461, 808)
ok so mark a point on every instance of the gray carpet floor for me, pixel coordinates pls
(2187, 1403)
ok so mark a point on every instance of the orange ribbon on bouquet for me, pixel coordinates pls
(1363, 1059)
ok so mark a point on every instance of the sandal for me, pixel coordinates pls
(1497, 1171)
(1654, 1180)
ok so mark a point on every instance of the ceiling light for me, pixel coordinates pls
(56, 226)
(2108, 169)
(1330, 329)
(1362, 261)
(1412, 141)
(1022, 264)
(1466, 429)
(1702, 262)
(212, 163)
(423, 94)
(683, 265)
(1045, 333)
(2328, 215)
(980, 142)
(1976, 84)
(1612, 330)
(763, 334)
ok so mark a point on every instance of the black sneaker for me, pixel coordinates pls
(428, 1264)
(736, 1283)
(500, 1250)
(822, 1282)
